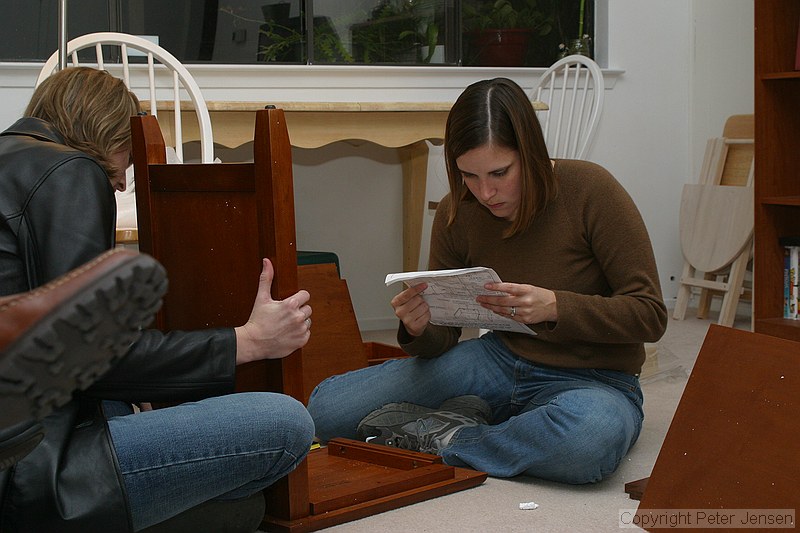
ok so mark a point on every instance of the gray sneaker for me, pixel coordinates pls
(470, 406)
(423, 429)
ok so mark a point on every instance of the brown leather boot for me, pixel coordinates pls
(62, 336)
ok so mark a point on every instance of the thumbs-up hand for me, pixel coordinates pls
(275, 328)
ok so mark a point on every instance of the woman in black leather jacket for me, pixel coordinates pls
(100, 468)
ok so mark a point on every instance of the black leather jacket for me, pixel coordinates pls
(57, 211)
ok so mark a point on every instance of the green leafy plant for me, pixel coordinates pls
(580, 45)
(388, 33)
(424, 13)
(508, 14)
(431, 40)
(279, 40)
(397, 29)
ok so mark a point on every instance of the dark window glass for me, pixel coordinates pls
(374, 32)
(189, 29)
(30, 32)
(263, 31)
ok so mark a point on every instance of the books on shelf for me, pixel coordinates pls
(791, 286)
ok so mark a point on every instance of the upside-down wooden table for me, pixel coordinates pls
(210, 225)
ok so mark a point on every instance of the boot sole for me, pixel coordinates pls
(78, 342)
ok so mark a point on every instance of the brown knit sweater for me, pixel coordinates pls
(590, 246)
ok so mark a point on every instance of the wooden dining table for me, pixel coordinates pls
(405, 126)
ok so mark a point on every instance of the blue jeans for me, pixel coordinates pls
(225, 448)
(567, 425)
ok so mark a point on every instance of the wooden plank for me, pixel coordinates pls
(732, 443)
(335, 345)
(334, 492)
(380, 455)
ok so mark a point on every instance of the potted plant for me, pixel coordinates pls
(580, 45)
(397, 31)
(282, 40)
(427, 36)
(498, 33)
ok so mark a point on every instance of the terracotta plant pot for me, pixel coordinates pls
(500, 47)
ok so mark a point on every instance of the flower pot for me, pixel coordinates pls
(433, 57)
(577, 47)
(499, 47)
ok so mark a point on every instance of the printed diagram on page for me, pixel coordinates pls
(451, 297)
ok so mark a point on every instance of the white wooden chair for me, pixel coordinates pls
(162, 82)
(573, 90)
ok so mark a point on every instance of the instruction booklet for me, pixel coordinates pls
(451, 297)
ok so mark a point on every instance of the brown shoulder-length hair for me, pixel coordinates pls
(90, 108)
(498, 112)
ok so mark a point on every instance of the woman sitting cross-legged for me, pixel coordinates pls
(578, 269)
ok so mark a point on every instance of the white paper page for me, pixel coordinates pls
(451, 297)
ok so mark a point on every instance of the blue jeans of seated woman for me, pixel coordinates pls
(225, 448)
(567, 425)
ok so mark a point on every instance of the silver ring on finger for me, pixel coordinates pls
(308, 323)
(513, 311)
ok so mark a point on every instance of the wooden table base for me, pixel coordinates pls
(349, 480)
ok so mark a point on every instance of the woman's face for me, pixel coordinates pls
(121, 159)
(493, 175)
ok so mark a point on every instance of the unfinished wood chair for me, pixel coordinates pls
(736, 169)
(716, 224)
(210, 225)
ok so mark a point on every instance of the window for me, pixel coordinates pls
(360, 32)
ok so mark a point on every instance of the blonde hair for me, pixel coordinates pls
(498, 112)
(90, 108)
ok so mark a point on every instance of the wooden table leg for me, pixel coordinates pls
(414, 160)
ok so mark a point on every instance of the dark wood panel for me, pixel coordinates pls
(732, 443)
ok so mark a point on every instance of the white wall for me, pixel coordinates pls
(688, 65)
(643, 133)
(722, 70)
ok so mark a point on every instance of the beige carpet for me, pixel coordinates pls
(495, 505)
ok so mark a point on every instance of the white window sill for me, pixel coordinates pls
(331, 83)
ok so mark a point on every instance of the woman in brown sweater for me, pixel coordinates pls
(564, 404)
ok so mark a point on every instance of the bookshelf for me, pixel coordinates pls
(777, 158)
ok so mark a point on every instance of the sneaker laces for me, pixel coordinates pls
(424, 434)
(405, 442)
(397, 440)
(433, 434)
